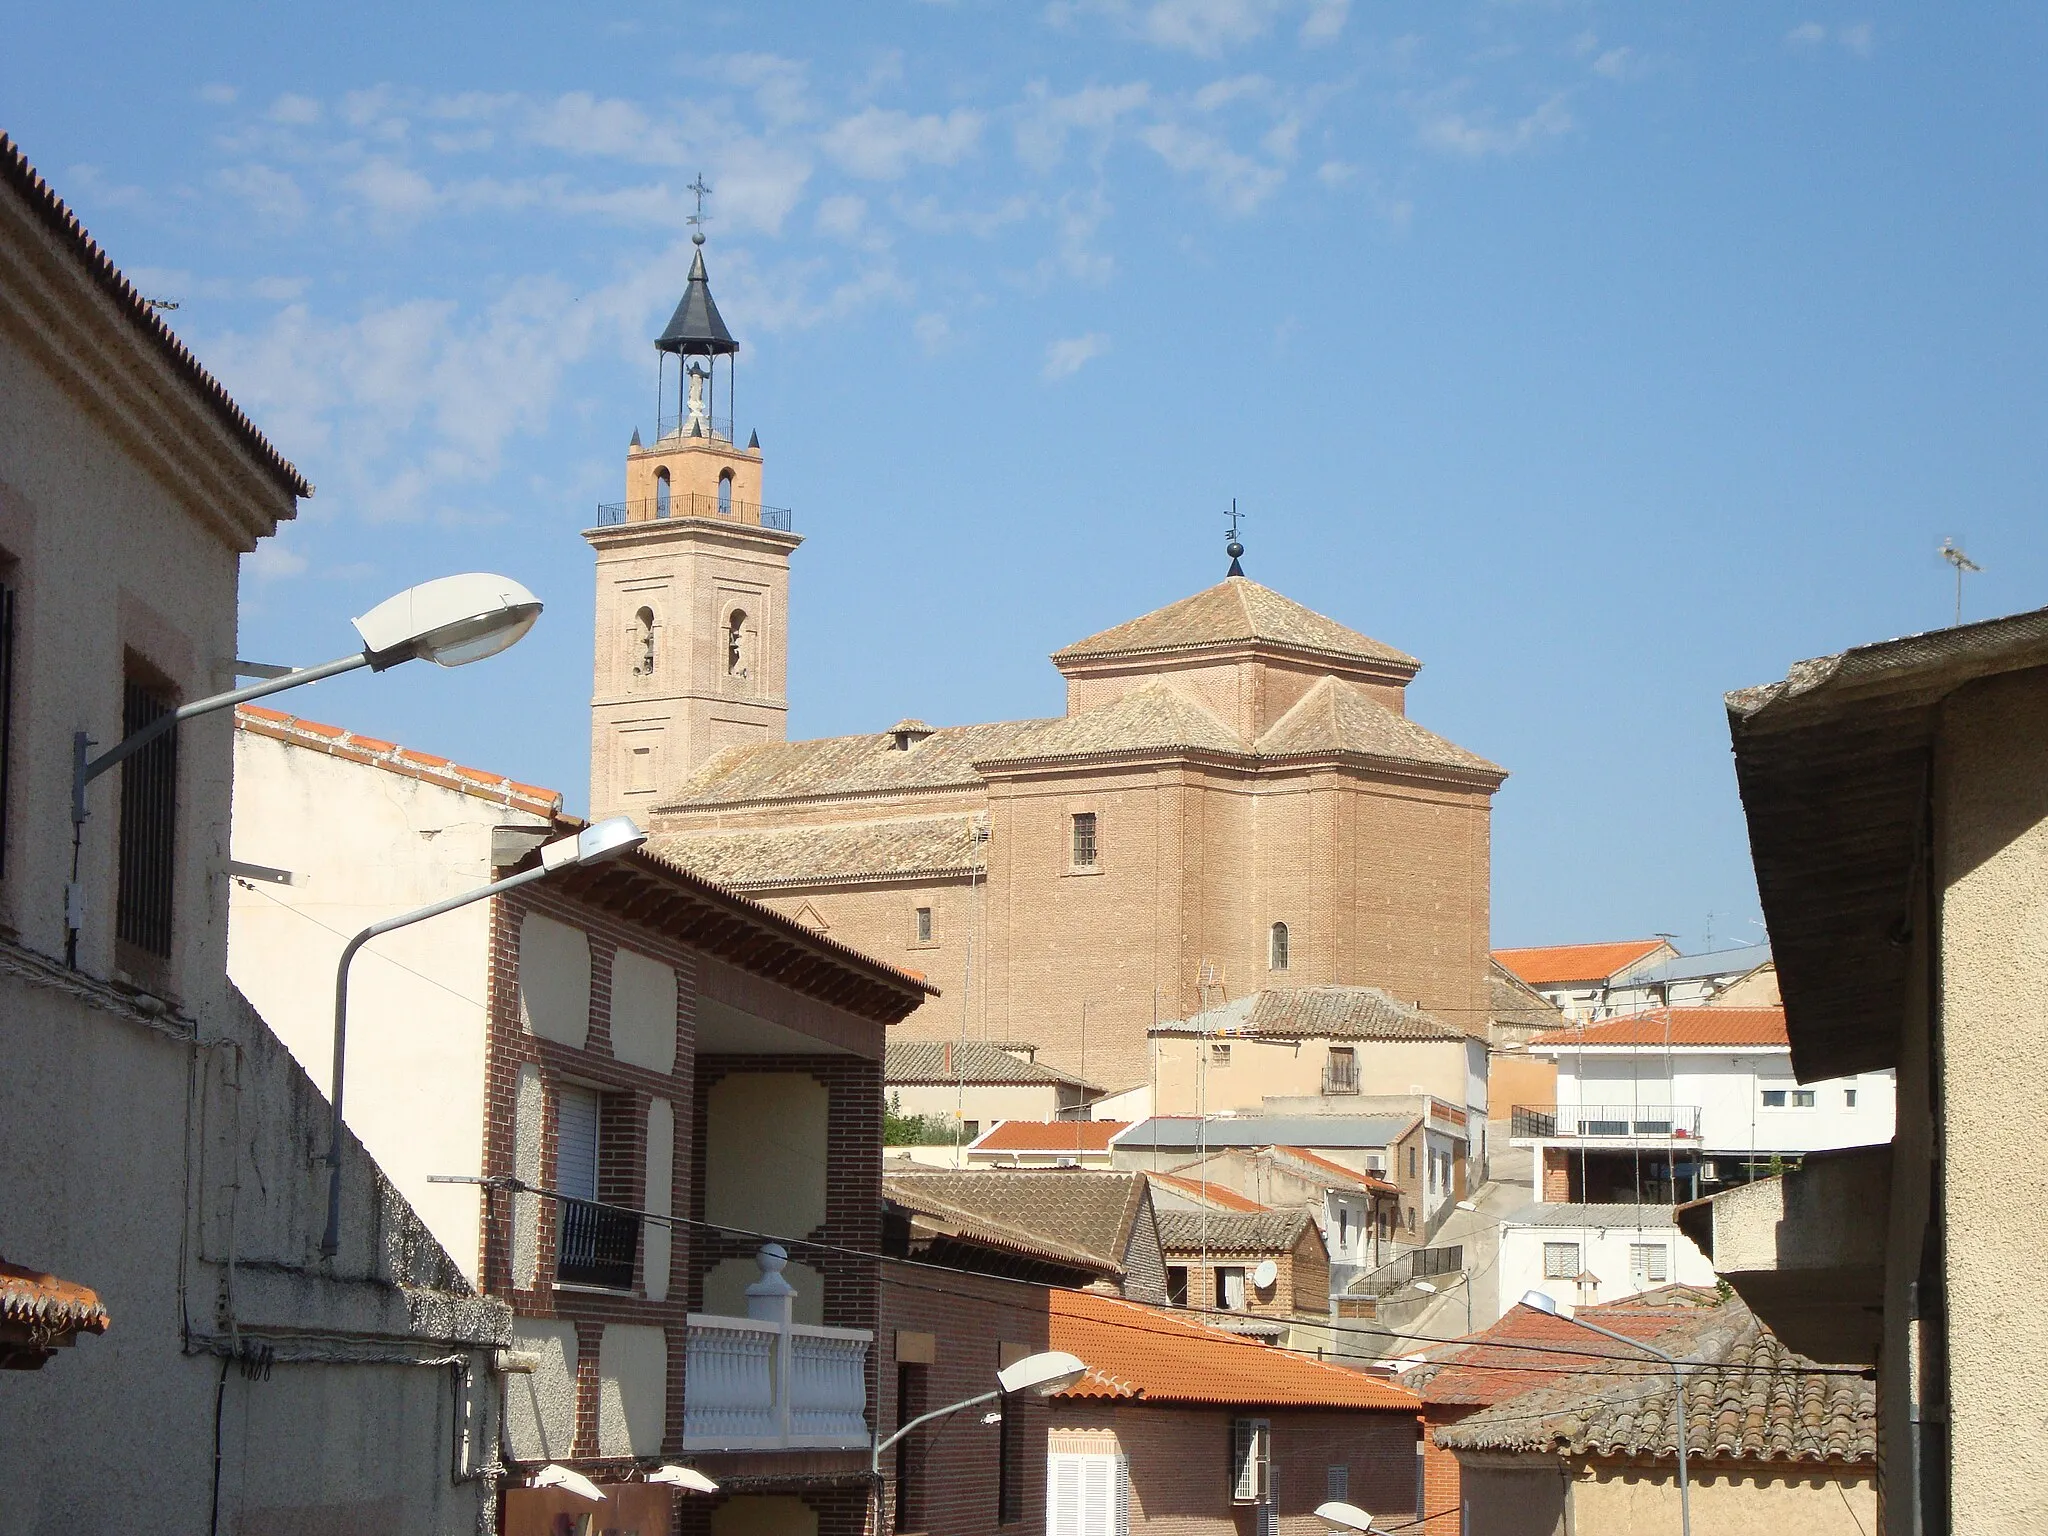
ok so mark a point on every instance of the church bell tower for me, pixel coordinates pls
(692, 582)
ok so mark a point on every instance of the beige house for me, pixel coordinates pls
(978, 1084)
(1235, 794)
(1897, 798)
(158, 1145)
(1269, 1269)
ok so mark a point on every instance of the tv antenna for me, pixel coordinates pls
(161, 306)
(1952, 552)
(1234, 546)
(697, 220)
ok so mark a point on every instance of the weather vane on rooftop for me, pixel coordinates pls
(1234, 547)
(697, 219)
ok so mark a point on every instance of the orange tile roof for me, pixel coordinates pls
(30, 1297)
(1549, 965)
(1687, 1026)
(1201, 1189)
(1468, 1372)
(1351, 1175)
(335, 741)
(1049, 1136)
(1154, 1354)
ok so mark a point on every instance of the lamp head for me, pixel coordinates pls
(451, 621)
(683, 1477)
(1045, 1374)
(602, 840)
(1543, 1301)
(1425, 1287)
(1346, 1518)
(554, 1475)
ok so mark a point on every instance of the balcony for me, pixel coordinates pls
(765, 1382)
(1340, 1079)
(1619, 1125)
(692, 504)
(594, 1244)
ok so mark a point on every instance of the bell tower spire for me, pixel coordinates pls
(692, 578)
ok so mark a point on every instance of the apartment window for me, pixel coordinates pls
(1230, 1287)
(1219, 1053)
(1411, 1218)
(1343, 1227)
(1337, 1483)
(1802, 1098)
(1649, 1263)
(924, 925)
(1087, 1496)
(969, 1129)
(1340, 1070)
(1788, 1098)
(1848, 1094)
(910, 1402)
(596, 1242)
(148, 840)
(1561, 1261)
(1176, 1285)
(7, 700)
(1411, 1162)
(1084, 840)
(1251, 1461)
(1276, 947)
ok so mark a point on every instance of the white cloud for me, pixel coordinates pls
(1858, 39)
(294, 109)
(1067, 357)
(579, 123)
(1476, 135)
(841, 217)
(272, 195)
(1806, 34)
(1236, 183)
(271, 560)
(934, 333)
(781, 87)
(217, 95)
(391, 192)
(880, 144)
(1045, 121)
(1207, 27)
(1325, 20)
(1334, 173)
(1222, 93)
(1615, 64)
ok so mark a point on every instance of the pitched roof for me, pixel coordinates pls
(1325, 1168)
(1204, 1190)
(1738, 961)
(1550, 965)
(841, 854)
(1339, 1013)
(1151, 718)
(1506, 1361)
(1746, 1028)
(1511, 1000)
(1069, 1215)
(1152, 1354)
(1076, 1136)
(1186, 1132)
(966, 1061)
(350, 746)
(1559, 1213)
(55, 216)
(697, 328)
(1231, 1231)
(1235, 612)
(1751, 1399)
(32, 1299)
(1335, 718)
(850, 765)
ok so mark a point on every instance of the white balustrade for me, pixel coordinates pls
(768, 1382)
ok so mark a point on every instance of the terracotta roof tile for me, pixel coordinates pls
(1206, 1191)
(335, 741)
(1335, 718)
(1156, 1355)
(1070, 1215)
(1153, 717)
(1511, 1000)
(1327, 1168)
(1231, 1231)
(1338, 1013)
(46, 1304)
(1552, 965)
(1236, 611)
(1746, 1027)
(1075, 1136)
(849, 765)
(1506, 1361)
(838, 854)
(965, 1061)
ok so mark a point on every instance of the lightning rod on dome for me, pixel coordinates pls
(1234, 547)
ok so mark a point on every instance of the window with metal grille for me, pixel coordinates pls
(1251, 1461)
(1561, 1261)
(1219, 1053)
(595, 1243)
(149, 820)
(7, 711)
(1084, 840)
(1649, 1263)
(1337, 1483)
(924, 925)
(1276, 948)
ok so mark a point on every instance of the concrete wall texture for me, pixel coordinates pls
(1547, 1496)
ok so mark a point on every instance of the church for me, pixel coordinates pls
(1235, 798)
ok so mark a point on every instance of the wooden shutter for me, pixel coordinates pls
(1087, 1496)
(1250, 1460)
(576, 1143)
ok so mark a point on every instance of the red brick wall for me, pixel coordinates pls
(1440, 1490)
(970, 1318)
(1557, 1174)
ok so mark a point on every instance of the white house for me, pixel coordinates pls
(1584, 1254)
(1675, 1102)
(1682, 981)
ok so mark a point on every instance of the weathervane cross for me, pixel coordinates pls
(702, 192)
(1234, 546)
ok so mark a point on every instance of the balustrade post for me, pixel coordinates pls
(772, 1299)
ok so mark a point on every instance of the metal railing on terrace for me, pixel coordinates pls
(691, 504)
(594, 1244)
(1605, 1122)
(1404, 1269)
(716, 428)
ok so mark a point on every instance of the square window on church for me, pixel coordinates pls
(924, 925)
(1084, 840)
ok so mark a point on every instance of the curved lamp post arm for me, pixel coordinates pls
(875, 1457)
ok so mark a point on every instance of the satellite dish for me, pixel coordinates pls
(1264, 1276)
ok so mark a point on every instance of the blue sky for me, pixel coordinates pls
(1604, 356)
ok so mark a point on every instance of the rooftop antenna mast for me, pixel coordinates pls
(1952, 552)
(1234, 547)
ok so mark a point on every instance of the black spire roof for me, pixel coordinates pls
(696, 329)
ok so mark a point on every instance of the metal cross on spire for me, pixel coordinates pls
(1234, 547)
(696, 220)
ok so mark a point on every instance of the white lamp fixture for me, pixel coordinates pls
(594, 844)
(554, 1475)
(1045, 1374)
(1543, 1301)
(1425, 1287)
(451, 621)
(1345, 1517)
(683, 1477)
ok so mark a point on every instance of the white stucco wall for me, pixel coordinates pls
(632, 1389)
(1728, 1088)
(417, 997)
(643, 1012)
(1602, 1250)
(540, 1403)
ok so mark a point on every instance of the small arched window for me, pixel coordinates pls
(1276, 950)
(725, 493)
(643, 636)
(661, 493)
(736, 644)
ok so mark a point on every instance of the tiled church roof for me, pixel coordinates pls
(1337, 1013)
(1236, 611)
(965, 1061)
(851, 765)
(827, 855)
(1152, 717)
(1335, 717)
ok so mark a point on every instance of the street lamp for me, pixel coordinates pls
(594, 844)
(683, 1477)
(1053, 1371)
(1542, 1301)
(451, 621)
(555, 1475)
(1346, 1519)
